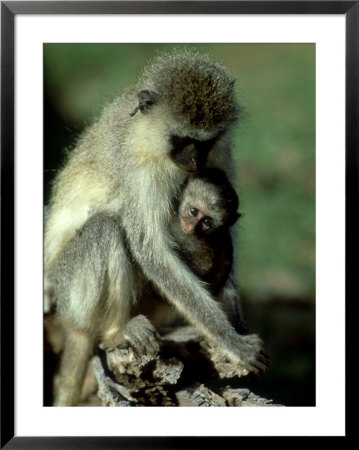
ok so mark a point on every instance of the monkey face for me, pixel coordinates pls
(190, 154)
(207, 203)
(195, 220)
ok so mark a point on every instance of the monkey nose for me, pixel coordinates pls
(192, 167)
(191, 151)
(186, 226)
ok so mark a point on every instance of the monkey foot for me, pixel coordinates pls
(140, 334)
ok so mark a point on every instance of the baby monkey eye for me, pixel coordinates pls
(193, 211)
(207, 223)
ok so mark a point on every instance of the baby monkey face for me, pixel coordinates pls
(194, 219)
(207, 203)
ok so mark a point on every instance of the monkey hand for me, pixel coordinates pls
(141, 335)
(250, 350)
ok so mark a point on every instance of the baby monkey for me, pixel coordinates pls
(207, 208)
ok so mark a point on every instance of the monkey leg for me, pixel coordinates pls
(93, 297)
(229, 298)
(77, 351)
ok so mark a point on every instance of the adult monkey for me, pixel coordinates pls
(114, 198)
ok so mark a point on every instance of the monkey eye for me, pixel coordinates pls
(193, 211)
(207, 223)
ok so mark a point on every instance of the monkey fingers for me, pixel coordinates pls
(253, 366)
(253, 355)
(140, 334)
(260, 363)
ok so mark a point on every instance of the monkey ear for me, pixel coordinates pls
(146, 99)
(234, 219)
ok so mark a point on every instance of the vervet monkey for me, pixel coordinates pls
(112, 204)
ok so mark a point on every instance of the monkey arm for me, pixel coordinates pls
(159, 262)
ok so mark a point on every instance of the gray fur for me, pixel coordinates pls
(121, 172)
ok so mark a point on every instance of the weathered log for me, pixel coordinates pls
(177, 375)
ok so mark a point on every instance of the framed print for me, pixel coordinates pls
(294, 68)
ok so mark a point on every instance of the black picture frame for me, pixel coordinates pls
(9, 10)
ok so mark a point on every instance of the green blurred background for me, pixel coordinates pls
(275, 161)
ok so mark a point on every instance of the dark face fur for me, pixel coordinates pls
(190, 154)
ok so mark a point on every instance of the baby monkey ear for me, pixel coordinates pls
(146, 99)
(234, 218)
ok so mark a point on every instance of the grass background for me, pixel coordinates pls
(275, 161)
